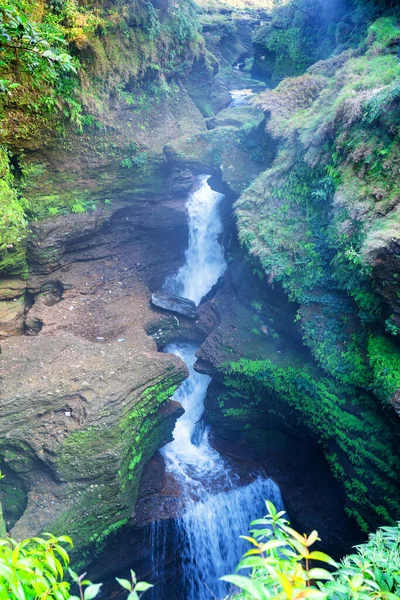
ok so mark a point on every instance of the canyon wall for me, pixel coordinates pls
(300, 337)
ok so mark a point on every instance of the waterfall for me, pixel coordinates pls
(217, 505)
(240, 97)
(209, 532)
(204, 262)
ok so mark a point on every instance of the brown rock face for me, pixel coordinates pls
(12, 306)
(85, 395)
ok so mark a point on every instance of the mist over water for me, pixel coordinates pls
(217, 506)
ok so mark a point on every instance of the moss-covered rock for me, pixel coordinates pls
(88, 440)
(236, 145)
(321, 222)
(312, 217)
(96, 136)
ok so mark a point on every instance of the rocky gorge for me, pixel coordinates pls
(299, 333)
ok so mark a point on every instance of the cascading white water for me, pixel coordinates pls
(204, 257)
(218, 508)
(210, 530)
(240, 97)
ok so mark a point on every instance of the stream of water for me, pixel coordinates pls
(217, 506)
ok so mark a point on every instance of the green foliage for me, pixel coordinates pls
(284, 565)
(384, 356)
(29, 46)
(139, 160)
(376, 105)
(348, 424)
(153, 25)
(293, 50)
(299, 35)
(34, 569)
(184, 25)
(12, 220)
(78, 208)
(49, 94)
(310, 221)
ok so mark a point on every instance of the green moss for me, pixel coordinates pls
(12, 221)
(99, 539)
(312, 221)
(358, 443)
(111, 457)
(384, 357)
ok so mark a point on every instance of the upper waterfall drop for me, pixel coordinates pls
(205, 261)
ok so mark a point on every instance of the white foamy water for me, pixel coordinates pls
(218, 507)
(190, 456)
(210, 531)
(205, 261)
(240, 97)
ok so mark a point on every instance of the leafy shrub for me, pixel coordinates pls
(35, 46)
(35, 569)
(284, 566)
(78, 208)
(126, 163)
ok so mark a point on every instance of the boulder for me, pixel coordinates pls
(176, 304)
(12, 316)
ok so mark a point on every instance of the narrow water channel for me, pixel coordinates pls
(218, 505)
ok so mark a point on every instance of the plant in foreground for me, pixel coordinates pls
(34, 569)
(283, 565)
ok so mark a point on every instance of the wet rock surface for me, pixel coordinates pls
(175, 304)
(12, 306)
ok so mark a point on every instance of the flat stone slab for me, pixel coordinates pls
(176, 304)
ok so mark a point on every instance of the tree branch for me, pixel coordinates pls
(24, 48)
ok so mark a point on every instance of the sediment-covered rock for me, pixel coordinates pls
(176, 304)
(85, 397)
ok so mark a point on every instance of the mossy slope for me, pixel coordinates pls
(322, 222)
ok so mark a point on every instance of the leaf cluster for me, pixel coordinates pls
(34, 569)
(284, 566)
(27, 46)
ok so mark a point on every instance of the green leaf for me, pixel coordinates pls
(316, 555)
(142, 586)
(124, 583)
(74, 576)
(51, 562)
(285, 583)
(250, 539)
(271, 508)
(251, 562)
(246, 584)
(272, 545)
(92, 591)
(319, 574)
(357, 580)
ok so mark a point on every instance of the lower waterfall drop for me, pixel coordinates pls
(218, 507)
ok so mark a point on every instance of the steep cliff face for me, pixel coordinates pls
(85, 393)
(97, 224)
(321, 223)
